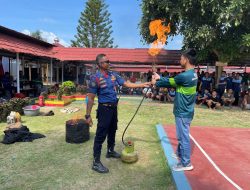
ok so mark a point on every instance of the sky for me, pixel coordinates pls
(59, 18)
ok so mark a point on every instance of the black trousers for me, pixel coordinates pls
(106, 127)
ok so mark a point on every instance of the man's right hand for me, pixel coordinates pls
(89, 121)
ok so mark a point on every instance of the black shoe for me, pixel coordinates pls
(98, 167)
(113, 154)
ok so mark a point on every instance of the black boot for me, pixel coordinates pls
(98, 167)
(112, 154)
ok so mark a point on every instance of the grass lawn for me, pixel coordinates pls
(51, 163)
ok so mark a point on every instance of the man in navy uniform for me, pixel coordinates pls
(103, 83)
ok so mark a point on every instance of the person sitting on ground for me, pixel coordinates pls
(202, 98)
(155, 91)
(147, 92)
(160, 95)
(228, 98)
(198, 97)
(246, 101)
(171, 94)
(213, 102)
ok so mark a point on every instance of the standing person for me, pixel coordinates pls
(206, 83)
(184, 101)
(7, 84)
(103, 84)
(81, 77)
(245, 81)
(236, 82)
(230, 80)
(222, 84)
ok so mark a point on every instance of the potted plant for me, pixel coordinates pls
(68, 88)
(52, 91)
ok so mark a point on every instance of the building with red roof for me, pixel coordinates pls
(53, 61)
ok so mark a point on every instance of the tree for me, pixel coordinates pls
(38, 35)
(94, 26)
(218, 27)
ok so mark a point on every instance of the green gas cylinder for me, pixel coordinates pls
(129, 155)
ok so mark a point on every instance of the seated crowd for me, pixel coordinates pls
(233, 89)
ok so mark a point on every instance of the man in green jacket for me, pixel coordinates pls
(185, 84)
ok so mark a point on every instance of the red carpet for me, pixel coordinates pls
(229, 148)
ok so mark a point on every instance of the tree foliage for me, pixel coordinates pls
(219, 27)
(38, 35)
(94, 26)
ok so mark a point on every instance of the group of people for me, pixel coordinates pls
(160, 94)
(103, 84)
(232, 89)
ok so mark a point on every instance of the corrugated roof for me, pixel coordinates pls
(117, 55)
(16, 45)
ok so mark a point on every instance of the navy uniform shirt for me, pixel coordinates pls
(104, 85)
(206, 83)
(229, 83)
(236, 85)
(222, 82)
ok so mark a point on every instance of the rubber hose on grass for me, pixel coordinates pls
(133, 117)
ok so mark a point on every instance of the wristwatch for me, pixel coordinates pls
(87, 116)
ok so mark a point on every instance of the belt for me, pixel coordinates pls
(109, 104)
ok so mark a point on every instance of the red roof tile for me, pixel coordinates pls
(116, 55)
(17, 45)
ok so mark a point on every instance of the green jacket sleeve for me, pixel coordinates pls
(166, 82)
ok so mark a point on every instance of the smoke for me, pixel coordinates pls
(48, 36)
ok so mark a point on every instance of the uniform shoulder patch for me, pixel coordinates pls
(92, 84)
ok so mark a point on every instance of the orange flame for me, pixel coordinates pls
(156, 28)
(76, 118)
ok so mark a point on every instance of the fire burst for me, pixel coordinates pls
(157, 28)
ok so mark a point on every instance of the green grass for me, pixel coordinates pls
(51, 163)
